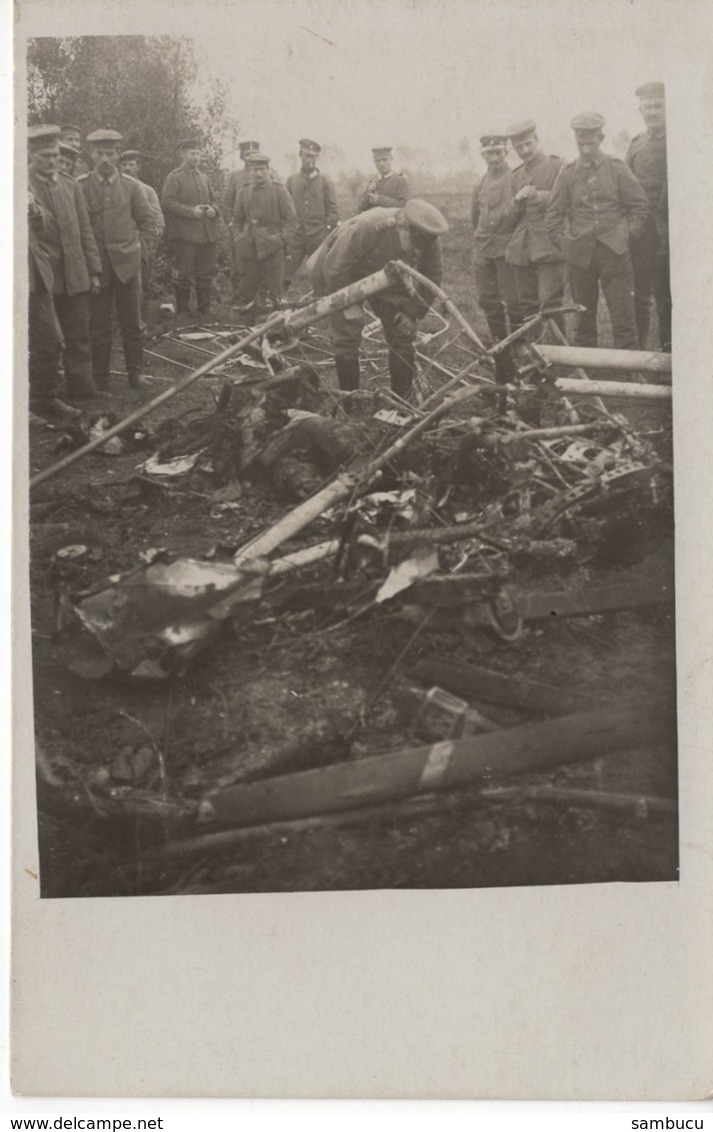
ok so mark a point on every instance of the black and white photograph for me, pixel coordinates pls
(350, 451)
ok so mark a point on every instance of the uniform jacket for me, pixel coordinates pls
(237, 180)
(489, 213)
(365, 244)
(529, 242)
(67, 235)
(315, 202)
(119, 215)
(148, 245)
(41, 278)
(602, 202)
(80, 168)
(391, 191)
(183, 189)
(646, 157)
(264, 220)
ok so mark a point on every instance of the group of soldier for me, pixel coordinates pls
(597, 221)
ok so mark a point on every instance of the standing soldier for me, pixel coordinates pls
(129, 164)
(538, 266)
(72, 136)
(493, 223)
(647, 160)
(236, 181)
(120, 217)
(315, 202)
(364, 244)
(389, 189)
(597, 209)
(191, 210)
(264, 221)
(73, 255)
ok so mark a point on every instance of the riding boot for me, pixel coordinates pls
(347, 367)
(402, 370)
(182, 292)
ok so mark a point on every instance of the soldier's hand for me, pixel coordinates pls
(210, 212)
(354, 313)
(94, 284)
(197, 209)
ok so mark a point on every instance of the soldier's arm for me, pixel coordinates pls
(157, 213)
(634, 200)
(143, 214)
(544, 196)
(229, 197)
(86, 235)
(556, 214)
(397, 201)
(169, 198)
(213, 199)
(475, 204)
(330, 201)
(288, 215)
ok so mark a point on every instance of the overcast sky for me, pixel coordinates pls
(426, 73)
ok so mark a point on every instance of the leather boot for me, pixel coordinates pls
(402, 370)
(347, 367)
(203, 297)
(182, 295)
(81, 387)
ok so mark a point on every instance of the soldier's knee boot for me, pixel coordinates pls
(182, 293)
(402, 370)
(347, 367)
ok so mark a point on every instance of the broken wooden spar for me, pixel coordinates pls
(636, 361)
(645, 392)
(513, 691)
(437, 767)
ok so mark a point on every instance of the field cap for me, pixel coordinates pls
(309, 146)
(71, 130)
(39, 136)
(130, 155)
(257, 159)
(248, 147)
(587, 123)
(425, 218)
(99, 136)
(68, 150)
(382, 151)
(651, 90)
(190, 143)
(491, 139)
(521, 130)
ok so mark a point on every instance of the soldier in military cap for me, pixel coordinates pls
(597, 211)
(130, 164)
(72, 252)
(364, 244)
(646, 158)
(494, 223)
(121, 218)
(191, 209)
(538, 266)
(236, 181)
(72, 136)
(68, 157)
(264, 221)
(315, 202)
(389, 189)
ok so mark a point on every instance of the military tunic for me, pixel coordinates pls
(646, 158)
(315, 202)
(237, 180)
(264, 221)
(44, 334)
(596, 210)
(494, 277)
(193, 238)
(538, 267)
(391, 192)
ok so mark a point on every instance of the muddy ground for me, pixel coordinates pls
(309, 688)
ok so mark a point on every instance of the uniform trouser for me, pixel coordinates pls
(299, 248)
(73, 316)
(540, 285)
(262, 276)
(193, 262)
(234, 266)
(44, 348)
(651, 278)
(146, 270)
(126, 297)
(346, 338)
(497, 296)
(615, 274)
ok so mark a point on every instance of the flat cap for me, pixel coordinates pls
(651, 90)
(587, 122)
(257, 159)
(425, 217)
(99, 136)
(521, 129)
(382, 150)
(71, 130)
(248, 146)
(491, 139)
(42, 135)
(129, 155)
(190, 143)
(310, 146)
(68, 150)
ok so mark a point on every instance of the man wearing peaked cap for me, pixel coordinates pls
(72, 254)
(362, 245)
(191, 210)
(129, 163)
(263, 222)
(389, 189)
(646, 157)
(72, 135)
(68, 157)
(121, 219)
(236, 181)
(538, 266)
(315, 202)
(494, 224)
(596, 211)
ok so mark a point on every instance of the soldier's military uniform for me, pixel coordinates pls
(148, 244)
(646, 157)
(192, 237)
(236, 181)
(361, 246)
(120, 216)
(72, 136)
(388, 190)
(44, 335)
(315, 202)
(596, 211)
(263, 222)
(539, 269)
(494, 224)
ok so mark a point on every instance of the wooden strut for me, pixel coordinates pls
(641, 804)
(487, 759)
(637, 361)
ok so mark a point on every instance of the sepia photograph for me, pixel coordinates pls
(351, 493)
